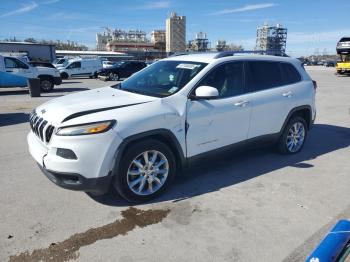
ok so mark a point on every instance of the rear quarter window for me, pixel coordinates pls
(290, 74)
(261, 75)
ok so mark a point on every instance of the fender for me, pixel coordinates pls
(166, 133)
(46, 76)
(294, 110)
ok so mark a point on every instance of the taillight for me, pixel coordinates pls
(315, 84)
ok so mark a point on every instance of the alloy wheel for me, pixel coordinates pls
(147, 172)
(46, 85)
(113, 77)
(295, 137)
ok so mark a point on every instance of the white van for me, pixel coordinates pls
(81, 67)
(60, 62)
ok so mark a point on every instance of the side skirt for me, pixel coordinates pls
(249, 144)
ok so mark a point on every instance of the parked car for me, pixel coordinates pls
(121, 70)
(81, 67)
(343, 46)
(15, 72)
(136, 135)
(329, 64)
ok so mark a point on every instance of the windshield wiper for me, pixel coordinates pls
(119, 86)
(137, 92)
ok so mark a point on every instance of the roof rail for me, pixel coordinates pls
(231, 53)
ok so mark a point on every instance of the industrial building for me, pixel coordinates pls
(175, 33)
(43, 52)
(131, 40)
(200, 43)
(119, 40)
(102, 39)
(158, 38)
(271, 39)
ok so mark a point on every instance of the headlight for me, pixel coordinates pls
(86, 129)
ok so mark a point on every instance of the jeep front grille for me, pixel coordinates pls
(40, 127)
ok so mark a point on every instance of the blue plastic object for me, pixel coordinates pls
(333, 244)
(10, 80)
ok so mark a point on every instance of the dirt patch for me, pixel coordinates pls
(67, 249)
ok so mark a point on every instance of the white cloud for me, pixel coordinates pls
(156, 5)
(244, 8)
(66, 16)
(82, 30)
(317, 37)
(48, 2)
(24, 9)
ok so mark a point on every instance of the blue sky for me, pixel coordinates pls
(312, 25)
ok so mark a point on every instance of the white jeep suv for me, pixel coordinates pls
(138, 134)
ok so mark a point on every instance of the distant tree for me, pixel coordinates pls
(234, 47)
(30, 40)
(222, 46)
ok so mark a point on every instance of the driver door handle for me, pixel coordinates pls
(9, 71)
(242, 103)
(288, 94)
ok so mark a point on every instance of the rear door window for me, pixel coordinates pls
(261, 75)
(289, 74)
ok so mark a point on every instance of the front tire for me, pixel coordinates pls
(64, 75)
(293, 137)
(146, 170)
(46, 84)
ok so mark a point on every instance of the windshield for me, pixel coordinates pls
(59, 61)
(162, 78)
(64, 63)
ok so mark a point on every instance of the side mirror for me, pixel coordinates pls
(206, 92)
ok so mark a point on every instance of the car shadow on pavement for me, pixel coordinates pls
(14, 92)
(220, 171)
(9, 119)
(71, 82)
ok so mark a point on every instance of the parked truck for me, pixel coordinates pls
(343, 50)
(15, 72)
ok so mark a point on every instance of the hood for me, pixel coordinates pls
(68, 107)
(59, 66)
(44, 69)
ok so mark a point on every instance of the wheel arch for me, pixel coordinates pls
(304, 111)
(44, 76)
(64, 74)
(163, 135)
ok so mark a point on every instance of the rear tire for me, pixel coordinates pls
(113, 76)
(145, 171)
(293, 137)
